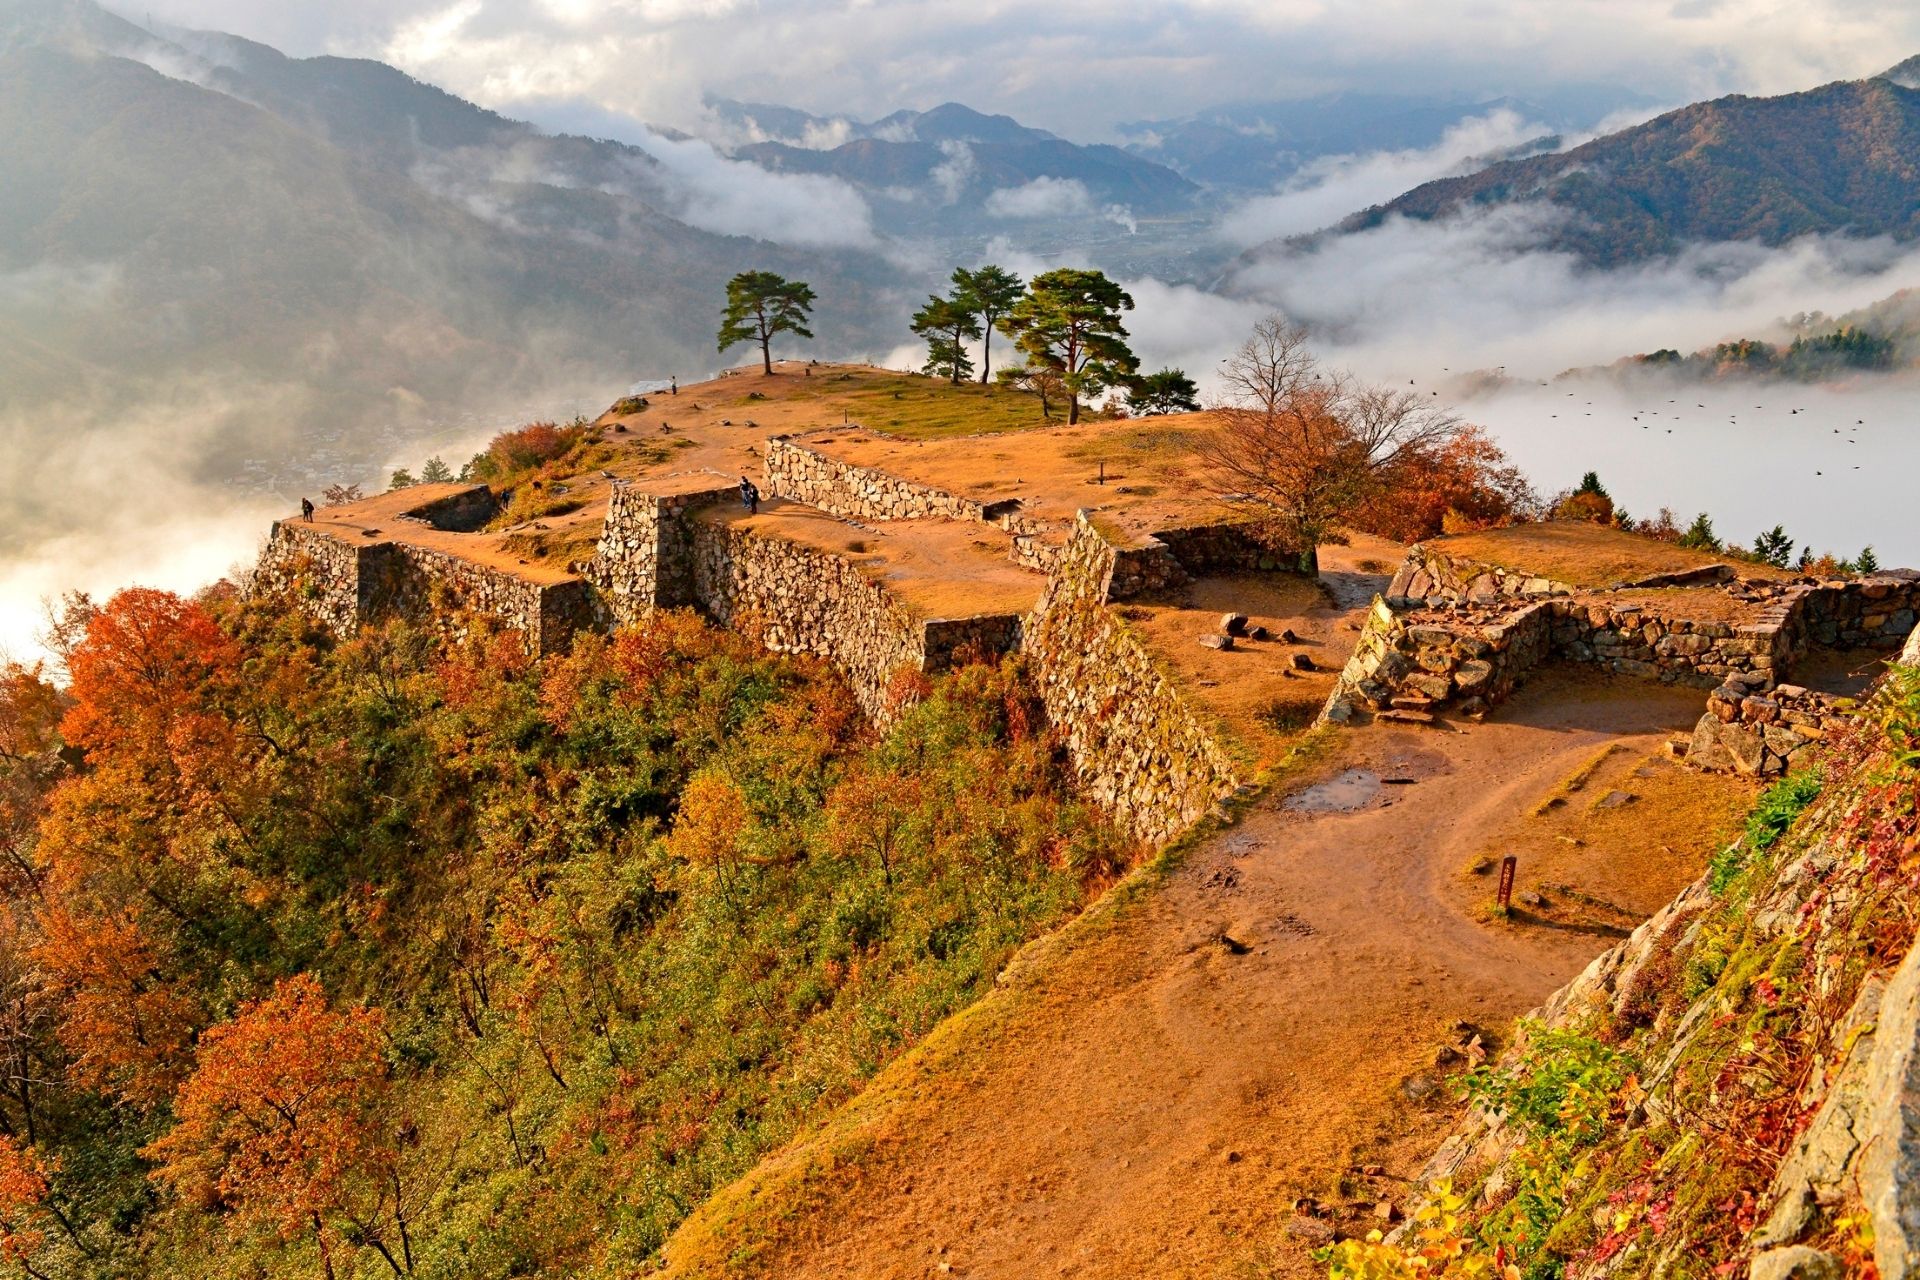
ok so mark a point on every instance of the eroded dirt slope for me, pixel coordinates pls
(1152, 1098)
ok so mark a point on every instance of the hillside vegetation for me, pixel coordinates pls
(388, 958)
(1837, 159)
(1702, 1094)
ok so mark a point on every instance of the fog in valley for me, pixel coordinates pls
(169, 474)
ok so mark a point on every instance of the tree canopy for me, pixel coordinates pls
(989, 293)
(761, 304)
(1069, 321)
(1312, 446)
(1165, 391)
(946, 324)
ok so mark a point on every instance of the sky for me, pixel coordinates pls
(1079, 67)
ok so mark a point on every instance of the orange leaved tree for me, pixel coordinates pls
(284, 1124)
(23, 1199)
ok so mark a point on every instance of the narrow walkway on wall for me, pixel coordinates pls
(1154, 1098)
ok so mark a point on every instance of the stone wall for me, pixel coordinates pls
(800, 599)
(857, 493)
(1136, 745)
(645, 557)
(1754, 729)
(321, 573)
(1408, 662)
(343, 587)
(1173, 557)
(1431, 575)
(1630, 640)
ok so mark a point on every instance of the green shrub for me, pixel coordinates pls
(1772, 814)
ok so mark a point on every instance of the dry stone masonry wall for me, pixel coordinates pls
(799, 599)
(645, 557)
(1135, 742)
(1459, 633)
(1137, 745)
(344, 586)
(857, 493)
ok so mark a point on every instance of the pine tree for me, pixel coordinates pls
(1168, 391)
(761, 304)
(1775, 546)
(989, 293)
(946, 324)
(1069, 321)
(1700, 535)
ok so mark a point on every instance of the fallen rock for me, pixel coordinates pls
(1795, 1262)
(1615, 800)
(1259, 633)
(1234, 624)
(1386, 1211)
(1217, 641)
(1301, 662)
(1287, 635)
(1407, 717)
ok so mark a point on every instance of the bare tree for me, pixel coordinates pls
(1309, 444)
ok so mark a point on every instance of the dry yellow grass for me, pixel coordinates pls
(1584, 555)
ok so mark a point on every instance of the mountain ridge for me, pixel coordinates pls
(1736, 168)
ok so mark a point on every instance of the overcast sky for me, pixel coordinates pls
(1074, 66)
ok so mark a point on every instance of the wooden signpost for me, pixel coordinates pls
(1507, 864)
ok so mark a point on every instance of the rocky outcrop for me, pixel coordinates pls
(1135, 742)
(1772, 1014)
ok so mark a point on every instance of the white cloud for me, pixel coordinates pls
(652, 58)
(951, 175)
(1328, 189)
(732, 197)
(1480, 291)
(1040, 198)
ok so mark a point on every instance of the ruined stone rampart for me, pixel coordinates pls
(1431, 576)
(799, 599)
(1403, 662)
(645, 557)
(858, 493)
(1135, 742)
(345, 586)
(322, 574)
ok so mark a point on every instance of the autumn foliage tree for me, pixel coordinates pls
(23, 1198)
(1311, 446)
(283, 1124)
(1461, 483)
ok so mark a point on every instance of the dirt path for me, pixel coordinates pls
(1152, 1100)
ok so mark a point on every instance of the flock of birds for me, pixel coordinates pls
(1850, 435)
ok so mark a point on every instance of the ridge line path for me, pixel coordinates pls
(1153, 1096)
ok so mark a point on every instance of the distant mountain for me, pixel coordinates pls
(1256, 146)
(347, 251)
(951, 166)
(1842, 158)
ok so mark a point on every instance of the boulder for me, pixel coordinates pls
(1217, 641)
(1233, 624)
(1473, 676)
